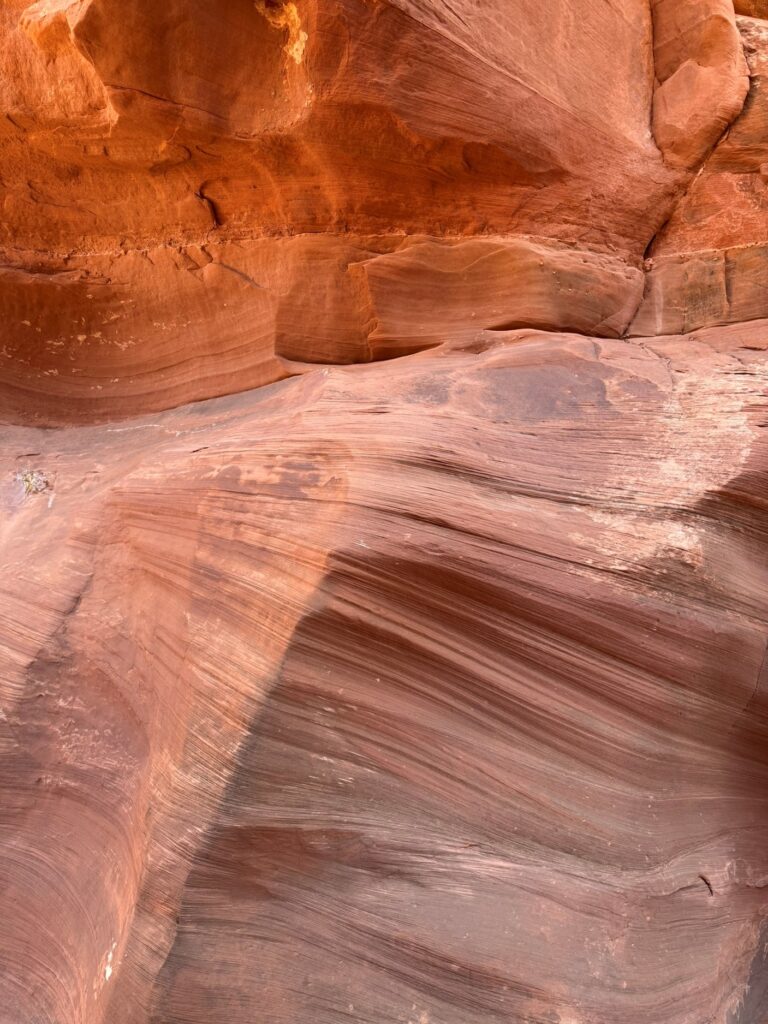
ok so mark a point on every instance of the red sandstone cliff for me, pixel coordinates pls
(383, 606)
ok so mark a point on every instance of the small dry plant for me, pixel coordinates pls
(34, 481)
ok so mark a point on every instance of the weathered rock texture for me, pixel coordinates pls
(709, 263)
(383, 493)
(199, 194)
(701, 76)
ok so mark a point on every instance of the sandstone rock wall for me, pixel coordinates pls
(150, 148)
(707, 265)
(383, 512)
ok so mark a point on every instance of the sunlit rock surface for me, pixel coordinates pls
(383, 512)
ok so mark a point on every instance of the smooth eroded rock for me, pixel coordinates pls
(436, 683)
(701, 74)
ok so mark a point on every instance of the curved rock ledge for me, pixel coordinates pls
(100, 337)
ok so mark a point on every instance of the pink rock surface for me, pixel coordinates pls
(435, 683)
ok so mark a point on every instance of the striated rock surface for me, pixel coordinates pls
(383, 493)
(242, 313)
(194, 190)
(430, 688)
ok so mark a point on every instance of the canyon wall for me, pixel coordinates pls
(384, 605)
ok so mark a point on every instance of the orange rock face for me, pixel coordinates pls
(383, 477)
(709, 261)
